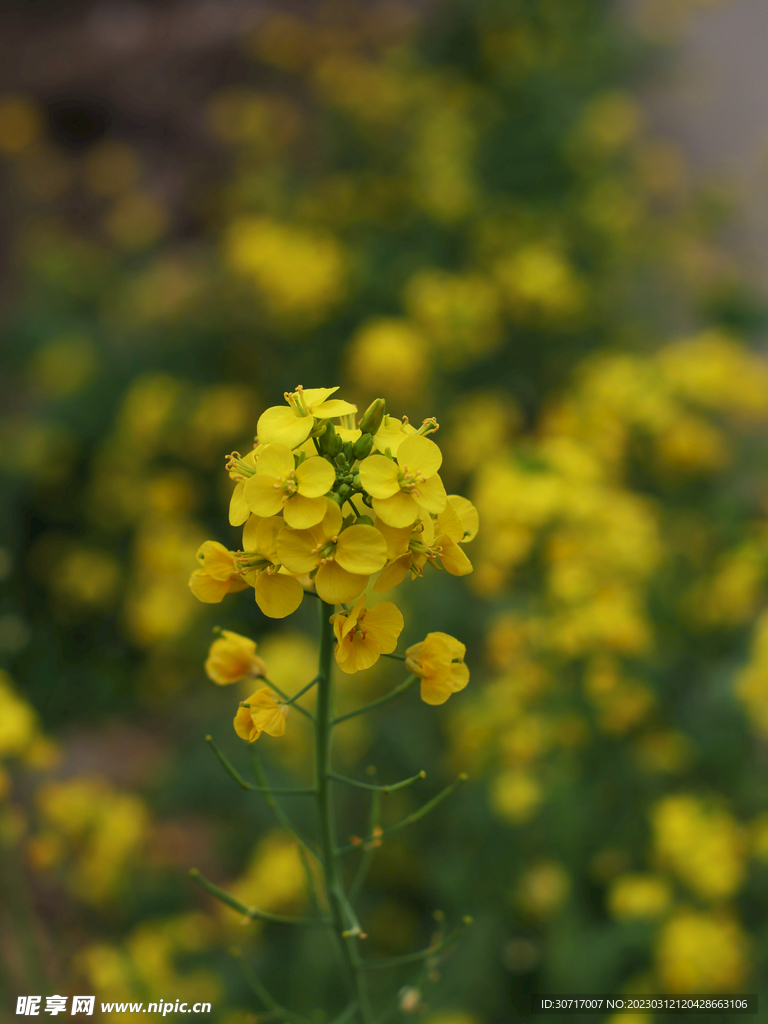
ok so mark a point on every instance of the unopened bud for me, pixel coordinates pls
(373, 416)
(361, 449)
(326, 437)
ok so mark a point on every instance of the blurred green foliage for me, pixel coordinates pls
(461, 210)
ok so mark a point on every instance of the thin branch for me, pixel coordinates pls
(231, 770)
(252, 912)
(258, 989)
(397, 657)
(410, 958)
(282, 817)
(392, 788)
(365, 861)
(286, 698)
(409, 819)
(377, 703)
(301, 692)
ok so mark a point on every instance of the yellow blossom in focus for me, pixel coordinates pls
(291, 425)
(277, 594)
(233, 657)
(400, 490)
(296, 490)
(391, 434)
(240, 470)
(344, 559)
(266, 712)
(638, 897)
(219, 575)
(364, 634)
(698, 951)
(439, 662)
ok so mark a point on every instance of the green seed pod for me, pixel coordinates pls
(362, 446)
(373, 416)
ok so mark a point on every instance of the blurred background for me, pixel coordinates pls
(542, 221)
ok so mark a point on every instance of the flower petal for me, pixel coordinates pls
(206, 588)
(397, 539)
(431, 494)
(238, 506)
(275, 460)
(448, 523)
(244, 725)
(380, 476)
(336, 407)
(315, 477)
(459, 677)
(398, 511)
(264, 495)
(337, 586)
(356, 655)
(215, 560)
(277, 595)
(302, 513)
(361, 549)
(249, 533)
(420, 455)
(393, 573)
(453, 558)
(456, 649)
(332, 520)
(436, 689)
(391, 434)
(281, 425)
(295, 549)
(467, 513)
(316, 396)
(383, 624)
(267, 532)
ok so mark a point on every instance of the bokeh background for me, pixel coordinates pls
(498, 212)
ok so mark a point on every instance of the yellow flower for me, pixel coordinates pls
(364, 634)
(402, 490)
(232, 657)
(293, 424)
(344, 559)
(439, 661)
(219, 575)
(281, 486)
(451, 530)
(277, 593)
(266, 712)
(391, 434)
(240, 470)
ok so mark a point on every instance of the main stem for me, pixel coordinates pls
(333, 882)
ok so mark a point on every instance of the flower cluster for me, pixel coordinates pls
(325, 505)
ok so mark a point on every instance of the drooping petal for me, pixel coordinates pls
(249, 533)
(244, 725)
(295, 549)
(336, 407)
(275, 460)
(361, 549)
(467, 513)
(264, 495)
(277, 595)
(231, 657)
(301, 513)
(238, 506)
(436, 689)
(206, 588)
(459, 676)
(356, 655)
(453, 558)
(448, 523)
(393, 573)
(315, 477)
(215, 560)
(380, 476)
(337, 586)
(399, 510)
(383, 625)
(420, 455)
(431, 494)
(281, 425)
(456, 649)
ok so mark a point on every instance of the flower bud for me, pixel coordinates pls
(373, 416)
(361, 449)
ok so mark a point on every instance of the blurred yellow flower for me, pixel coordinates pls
(515, 795)
(232, 657)
(388, 357)
(638, 896)
(266, 712)
(363, 634)
(219, 575)
(699, 951)
(439, 661)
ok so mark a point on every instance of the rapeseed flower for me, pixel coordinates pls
(402, 490)
(364, 634)
(233, 657)
(439, 661)
(293, 424)
(218, 576)
(342, 559)
(240, 470)
(277, 593)
(264, 711)
(296, 491)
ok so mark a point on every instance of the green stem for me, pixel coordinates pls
(251, 912)
(392, 788)
(409, 819)
(377, 703)
(231, 770)
(346, 931)
(397, 657)
(365, 861)
(282, 817)
(301, 693)
(286, 698)
(410, 958)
